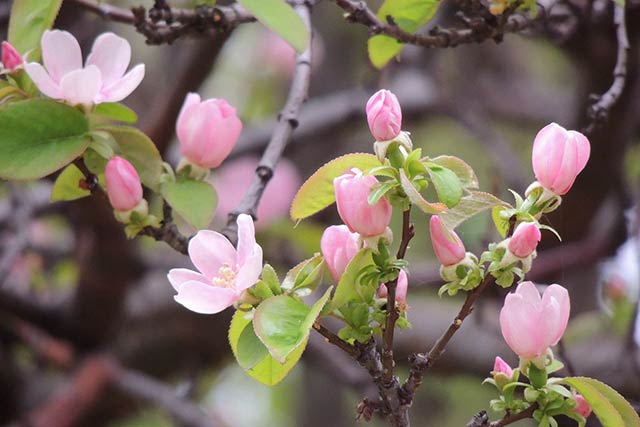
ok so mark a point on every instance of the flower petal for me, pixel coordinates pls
(246, 238)
(60, 54)
(249, 272)
(111, 54)
(43, 80)
(81, 86)
(205, 299)
(123, 87)
(561, 296)
(209, 250)
(178, 276)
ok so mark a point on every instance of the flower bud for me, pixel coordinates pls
(352, 190)
(338, 247)
(529, 323)
(582, 406)
(447, 245)
(11, 59)
(502, 367)
(558, 157)
(401, 288)
(123, 184)
(207, 130)
(384, 115)
(525, 239)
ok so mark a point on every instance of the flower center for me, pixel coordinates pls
(226, 276)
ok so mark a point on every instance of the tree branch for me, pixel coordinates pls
(482, 420)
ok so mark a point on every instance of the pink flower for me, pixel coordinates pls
(234, 177)
(103, 77)
(123, 184)
(207, 130)
(446, 244)
(384, 115)
(338, 247)
(582, 406)
(558, 157)
(401, 288)
(531, 324)
(352, 190)
(525, 239)
(11, 59)
(223, 272)
(502, 367)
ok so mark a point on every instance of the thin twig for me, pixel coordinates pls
(336, 340)
(482, 420)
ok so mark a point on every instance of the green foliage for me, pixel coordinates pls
(416, 198)
(38, 137)
(463, 171)
(447, 184)
(67, 185)
(317, 191)
(348, 287)
(409, 15)
(29, 19)
(115, 111)
(306, 275)
(250, 349)
(609, 406)
(195, 201)
(282, 19)
(469, 206)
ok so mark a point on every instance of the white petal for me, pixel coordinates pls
(81, 86)
(205, 299)
(112, 55)
(209, 250)
(43, 80)
(123, 87)
(60, 54)
(249, 272)
(246, 237)
(178, 276)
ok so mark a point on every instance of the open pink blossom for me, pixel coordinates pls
(338, 247)
(529, 323)
(102, 79)
(223, 272)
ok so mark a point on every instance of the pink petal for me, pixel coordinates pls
(209, 250)
(81, 86)
(60, 54)
(529, 292)
(205, 299)
(226, 133)
(561, 295)
(584, 149)
(111, 54)
(43, 80)
(548, 148)
(123, 87)
(191, 99)
(519, 324)
(178, 276)
(246, 238)
(249, 273)
(567, 172)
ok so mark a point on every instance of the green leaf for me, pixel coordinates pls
(416, 198)
(408, 15)
(115, 111)
(465, 173)
(38, 137)
(347, 286)
(306, 274)
(609, 406)
(67, 185)
(502, 224)
(194, 201)
(282, 19)
(283, 323)
(250, 349)
(29, 19)
(470, 205)
(447, 184)
(317, 192)
(267, 371)
(137, 148)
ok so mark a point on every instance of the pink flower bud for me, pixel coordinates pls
(384, 115)
(11, 59)
(502, 367)
(338, 247)
(207, 130)
(558, 157)
(582, 406)
(123, 184)
(447, 245)
(401, 288)
(352, 190)
(525, 239)
(531, 324)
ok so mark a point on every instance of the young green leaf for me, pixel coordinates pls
(465, 173)
(29, 19)
(447, 184)
(250, 350)
(317, 192)
(38, 137)
(469, 206)
(347, 287)
(416, 198)
(306, 274)
(194, 201)
(115, 111)
(67, 185)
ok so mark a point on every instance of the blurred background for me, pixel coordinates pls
(90, 334)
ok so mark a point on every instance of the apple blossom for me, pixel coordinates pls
(352, 190)
(11, 59)
(525, 239)
(123, 184)
(401, 288)
(447, 245)
(103, 77)
(384, 115)
(207, 130)
(529, 323)
(224, 272)
(338, 247)
(558, 157)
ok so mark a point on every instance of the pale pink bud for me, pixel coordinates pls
(529, 323)
(447, 245)
(123, 184)
(338, 247)
(352, 190)
(401, 288)
(384, 115)
(558, 157)
(502, 367)
(582, 406)
(525, 239)
(207, 130)
(11, 59)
